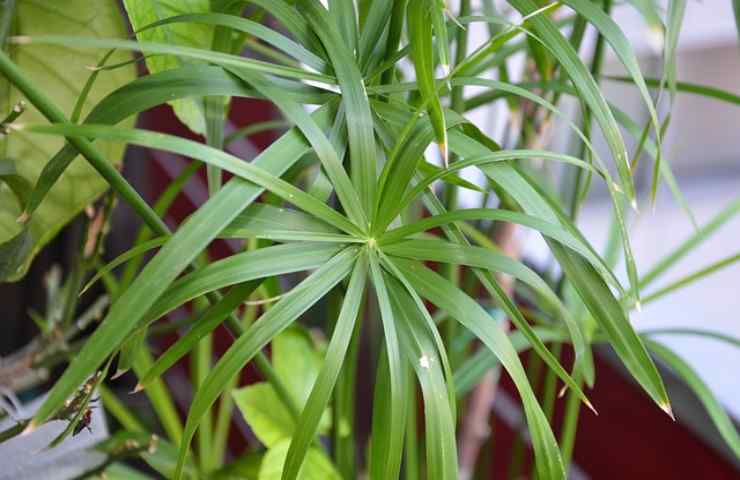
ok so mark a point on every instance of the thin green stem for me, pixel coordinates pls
(52, 113)
(550, 387)
(226, 405)
(411, 447)
(344, 406)
(200, 365)
(119, 411)
(7, 13)
(570, 424)
(130, 196)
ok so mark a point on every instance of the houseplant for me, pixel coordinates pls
(348, 196)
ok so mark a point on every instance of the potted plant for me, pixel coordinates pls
(350, 221)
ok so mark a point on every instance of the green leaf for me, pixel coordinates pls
(316, 467)
(691, 243)
(420, 18)
(297, 360)
(161, 459)
(589, 91)
(190, 239)
(456, 254)
(142, 13)
(247, 466)
(265, 413)
(134, 252)
(623, 49)
(322, 147)
(590, 287)
(263, 220)
(354, 97)
(420, 349)
(320, 392)
(477, 365)
(57, 71)
(211, 156)
(121, 471)
(344, 15)
(734, 341)
(547, 229)
(674, 22)
(387, 445)
(431, 169)
(276, 319)
(204, 324)
(688, 87)
(243, 267)
(649, 12)
(375, 22)
(465, 310)
(247, 26)
(198, 54)
(286, 13)
(718, 415)
(693, 277)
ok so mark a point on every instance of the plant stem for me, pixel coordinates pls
(411, 447)
(132, 197)
(159, 396)
(475, 428)
(550, 387)
(570, 424)
(458, 105)
(120, 412)
(7, 13)
(200, 365)
(344, 406)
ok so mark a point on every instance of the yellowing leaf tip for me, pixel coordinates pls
(666, 407)
(444, 152)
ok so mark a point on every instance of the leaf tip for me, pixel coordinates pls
(445, 153)
(633, 204)
(591, 407)
(562, 391)
(666, 407)
(20, 39)
(118, 373)
(23, 217)
(139, 387)
(32, 425)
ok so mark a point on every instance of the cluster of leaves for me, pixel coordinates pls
(356, 225)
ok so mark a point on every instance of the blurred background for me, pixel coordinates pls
(703, 147)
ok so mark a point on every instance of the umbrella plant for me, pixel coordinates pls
(355, 207)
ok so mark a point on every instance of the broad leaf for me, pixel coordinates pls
(57, 71)
(142, 13)
(317, 465)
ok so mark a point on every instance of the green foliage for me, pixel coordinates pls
(297, 363)
(142, 13)
(346, 203)
(60, 72)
